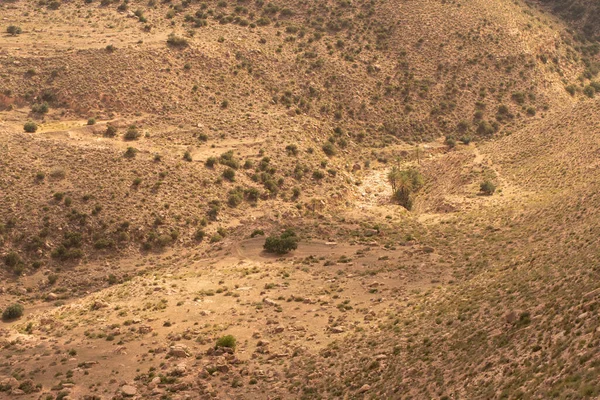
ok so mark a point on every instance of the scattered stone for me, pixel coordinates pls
(510, 317)
(179, 350)
(143, 329)
(270, 302)
(128, 390)
(364, 388)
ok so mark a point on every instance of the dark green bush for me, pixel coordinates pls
(329, 149)
(229, 174)
(132, 133)
(14, 30)
(41, 108)
(30, 127)
(111, 130)
(177, 41)
(210, 162)
(13, 311)
(130, 152)
(281, 244)
(226, 341)
(487, 187)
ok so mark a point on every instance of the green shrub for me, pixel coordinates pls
(329, 149)
(13, 311)
(281, 244)
(318, 174)
(210, 162)
(111, 131)
(199, 234)
(12, 259)
(226, 341)
(41, 108)
(132, 133)
(229, 174)
(235, 199)
(177, 41)
(257, 232)
(485, 128)
(187, 156)
(130, 152)
(229, 160)
(292, 149)
(589, 91)
(91, 121)
(487, 187)
(14, 30)
(571, 89)
(30, 127)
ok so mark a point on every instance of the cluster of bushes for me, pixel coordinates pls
(283, 243)
(69, 248)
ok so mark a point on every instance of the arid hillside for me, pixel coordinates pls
(312, 200)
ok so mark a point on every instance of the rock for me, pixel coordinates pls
(52, 296)
(337, 329)
(9, 382)
(224, 368)
(180, 369)
(510, 317)
(263, 343)
(98, 304)
(179, 350)
(153, 383)
(279, 329)
(364, 388)
(129, 391)
(270, 302)
(356, 167)
(143, 329)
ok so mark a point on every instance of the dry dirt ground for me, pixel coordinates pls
(133, 257)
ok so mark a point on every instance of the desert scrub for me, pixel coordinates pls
(13, 311)
(30, 127)
(177, 41)
(487, 187)
(111, 131)
(132, 133)
(226, 341)
(14, 30)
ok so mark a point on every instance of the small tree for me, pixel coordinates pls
(404, 184)
(30, 127)
(281, 244)
(487, 187)
(132, 133)
(13, 311)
